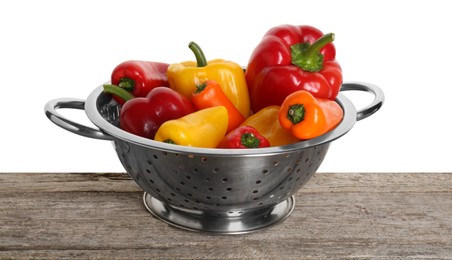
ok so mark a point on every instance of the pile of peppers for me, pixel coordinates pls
(286, 94)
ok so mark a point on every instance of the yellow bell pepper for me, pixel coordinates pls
(203, 128)
(183, 77)
(266, 122)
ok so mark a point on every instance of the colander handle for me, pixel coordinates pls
(53, 115)
(367, 87)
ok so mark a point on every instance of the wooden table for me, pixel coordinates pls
(337, 215)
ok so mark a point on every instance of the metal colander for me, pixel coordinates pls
(215, 190)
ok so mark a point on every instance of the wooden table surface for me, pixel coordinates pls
(337, 215)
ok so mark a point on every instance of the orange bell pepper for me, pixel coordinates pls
(265, 121)
(210, 94)
(306, 116)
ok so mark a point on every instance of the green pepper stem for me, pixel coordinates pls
(118, 91)
(296, 113)
(127, 84)
(200, 57)
(200, 87)
(169, 141)
(249, 140)
(307, 56)
(314, 49)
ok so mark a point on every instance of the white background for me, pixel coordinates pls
(52, 49)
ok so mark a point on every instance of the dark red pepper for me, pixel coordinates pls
(139, 77)
(291, 58)
(244, 137)
(143, 115)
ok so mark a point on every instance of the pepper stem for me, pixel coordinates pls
(118, 91)
(307, 56)
(169, 141)
(296, 113)
(200, 87)
(249, 140)
(127, 84)
(200, 57)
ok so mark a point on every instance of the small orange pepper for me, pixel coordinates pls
(210, 94)
(306, 116)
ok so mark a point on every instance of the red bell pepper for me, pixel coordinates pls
(291, 58)
(144, 115)
(244, 137)
(139, 77)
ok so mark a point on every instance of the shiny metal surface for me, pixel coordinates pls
(215, 187)
(366, 87)
(232, 223)
(51, 112)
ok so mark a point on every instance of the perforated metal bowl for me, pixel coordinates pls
(226, 191)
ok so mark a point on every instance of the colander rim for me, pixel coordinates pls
(92, 111)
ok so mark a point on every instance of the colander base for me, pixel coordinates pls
(220, 223)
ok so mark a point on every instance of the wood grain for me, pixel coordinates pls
(337, 215)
